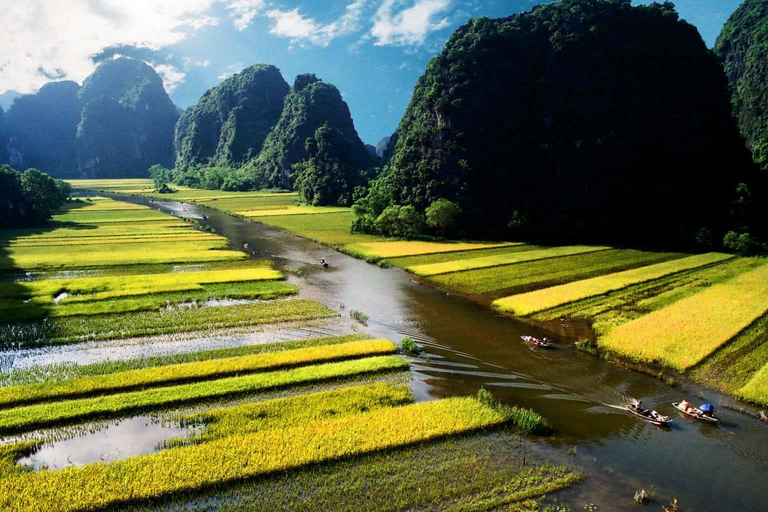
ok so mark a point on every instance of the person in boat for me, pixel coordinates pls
(323, 262)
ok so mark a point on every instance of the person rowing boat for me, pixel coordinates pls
(545, 343)
(705, 413)
(637, 408)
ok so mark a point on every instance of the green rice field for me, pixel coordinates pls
(104, 271)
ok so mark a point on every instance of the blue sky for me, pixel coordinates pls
(372, 50)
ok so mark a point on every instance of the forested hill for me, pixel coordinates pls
(583, 119)
(310, 105)
(117, 124)
(254, 131)
(743, 46)
(230, 122)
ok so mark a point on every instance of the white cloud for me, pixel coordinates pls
(409, 26)
(44, 39)
(243, 12)
(298, 28)
(230, 70)
(171, 75)
(191, 62)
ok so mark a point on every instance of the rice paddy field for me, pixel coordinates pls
(701, 314)
(318, 423)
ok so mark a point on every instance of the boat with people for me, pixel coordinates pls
(544, 342)
(705, 412)
(637, 408)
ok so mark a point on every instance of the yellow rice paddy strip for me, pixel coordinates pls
(410, 248)
(756, 390)
(533, 302)
(686, 332)
(288, 412)
(189, 372)
(33, 417)
(29, 258)
(187, 236)
(87, 289)
(448, 267)
(293, 210)
(240, 457)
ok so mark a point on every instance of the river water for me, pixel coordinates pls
(706, 467)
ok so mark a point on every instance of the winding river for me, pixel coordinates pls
(705, 467)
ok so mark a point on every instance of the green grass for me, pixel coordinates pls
(475, 469)
(33, 417)
(683, 334)
(112, 216)
(733, 366)
(756, 390)
(150, 323)
(428, 259)
(471, 262)
(544, 273)
(62, 372)
(14, 311)
(11, 452)
(189, 372)
(237, 458)
(548, 298)
(330, 229)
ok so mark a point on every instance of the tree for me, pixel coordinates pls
(442, 214)
(161, 177)
(400, 221)
(42, 192)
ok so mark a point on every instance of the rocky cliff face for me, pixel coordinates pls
(583, 118)
(118, 124)
(743, 47)
(228, 126)
(310, 105)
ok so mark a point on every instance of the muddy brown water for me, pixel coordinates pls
(469, 346)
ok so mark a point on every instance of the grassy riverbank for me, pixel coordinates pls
(104, 270)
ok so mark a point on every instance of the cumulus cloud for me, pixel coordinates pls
(43, 39)
(191, 62)
(299, 28)
(244, 11)
(171, 75)
(408, 26)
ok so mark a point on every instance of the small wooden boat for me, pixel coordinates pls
(649, 416)
(545, 343)
(698, 414)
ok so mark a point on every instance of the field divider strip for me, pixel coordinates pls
(547, 298)
(33, 417)
(452, 267)
(185, 373)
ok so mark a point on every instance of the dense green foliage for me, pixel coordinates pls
(329, 175)
(311, 105)
(116, 125)
(743, 47)
(30, 197)
(587, 119)
(230, 122)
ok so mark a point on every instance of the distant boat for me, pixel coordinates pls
(544, 343)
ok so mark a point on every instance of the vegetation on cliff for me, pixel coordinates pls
(743, 47)
(228, 126)
(582, 119)
(116, 125)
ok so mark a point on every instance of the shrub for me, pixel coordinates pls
(409, 345)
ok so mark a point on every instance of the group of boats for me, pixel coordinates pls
(705, 412)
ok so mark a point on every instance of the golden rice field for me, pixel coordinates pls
(470, 263)
(105, 270)
(548, 298)
(686, 332)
